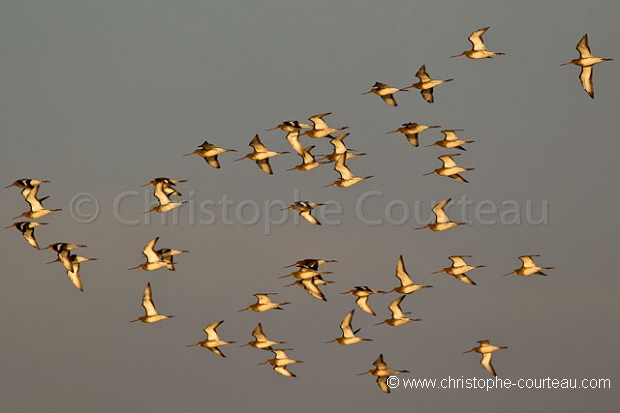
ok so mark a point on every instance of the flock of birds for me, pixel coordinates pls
(307, 274)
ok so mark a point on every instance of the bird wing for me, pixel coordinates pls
(74, 275)
(293, 140)
(362, 302)
(586, 80)
(283, 371)
(476, 39)
(307, 215)
(401, 272)
(447, 160)
(412, 138)
(389, 99)
(464, 278)
(486, 363)
(422, 75)
(31, 198)
(441, 215)
(427, 94)
(312, 289)
(258, 333)
(149, 251)
(147, 301)
(318, 121)
(338, 144)
(217, 351)
(583, 48)
(345, 326)
(457, 261)
(382, 382)
(263, 298)
(160, 192)
(341, 168)
(257, 144)
(280, 354)
(450, 135)
(212, 160)
(528, 261)
(210, 330)
(264, 165)
(379, 363)
(394, 307)
(28, 235)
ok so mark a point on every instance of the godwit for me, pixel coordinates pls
(308, 162)
(167, 254)
(305, 210)
(450, 140)
(478, 50)
(348, 335)
(213, 341)
(586, 61)
(153, 259)
(340, 148)
(382, 372)
(27, 185)
(62, 250)
(306, 272)
(486, 349)
(450, 168)
(442, 222)
(398, 317)
(292, 138)
(406, 284)
(210, 152)
(263, 304)
(426, 84)
(362, 293)
(320, 129)
(36, 209)
(280, 362)
(152, 316)
(290, 126)
(411, 131)
(27, 230)
(166, 185)
(529, 267)
(261, 155)
(74, 273)
(311, 285)
(459, 268)
(162, 192)
(347, 178)
(310, 263)
(260, 340)
(386, 92)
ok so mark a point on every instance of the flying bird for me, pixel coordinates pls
(263, 304)
(27, 230)
(426, 84)
(586, 61)
(151, 316)
(450, 168)
(411, 131)
(362, 293)
(261, 155)
(478, 50)
(382, 372)
(213, 341)
(320, 129)
(305, 210)
(386, 92)
(529, 267)
(486, 349)
(406, 284)
(260, 340)
(442, 222)
(280, 361)
(347, 178)
(450, 140)
(459, 268)
(348, 335)
(209, 152)
(398, 317)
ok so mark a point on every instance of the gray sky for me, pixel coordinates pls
(101, 97)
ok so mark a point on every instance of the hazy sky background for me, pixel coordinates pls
(101, 97)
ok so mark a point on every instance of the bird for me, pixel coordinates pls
(411, 131)
(36, 209)
(306, 273)
(450, 140)
(529, 267)
(386, 92)
(426, 84)
(305, 210)
(486, 349)
(459, 268)
(450, 168)
(406, 284)
(320, 129)
(263, 304)
(27, 185)
(398, 317)
(311, 285)
(310, 263)
(340, 148)
(478, 50)
(62, 251)
(362, 293)
(280, 361)
(292, 138)
(347, 178)
(586, 61)
(163, 190)
(27, 230)
(74, 273)
(210, 152)
(260, 340)
(308, 162)
(261, 155)
(382, 372)
(152, 316)
(153, 259)
(167, 254)
(290, 126)
(442, 222)
(213, 341)
(348, 335)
